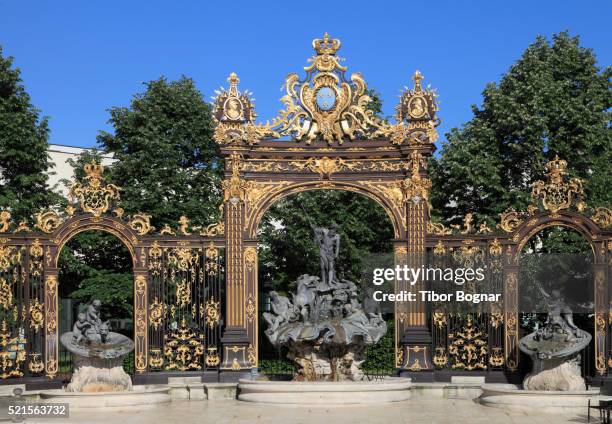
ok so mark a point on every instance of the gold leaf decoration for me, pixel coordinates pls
(93, 195)
(47, 221)
(184, 348)
(141, 223)
(557, 193)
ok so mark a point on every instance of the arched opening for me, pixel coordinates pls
(287, 250)
(95, 264)
(556, 265)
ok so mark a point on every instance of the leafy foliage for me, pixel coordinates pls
(380, 357)
(23, 148)
(553, 100)
(96, 265)
(167, 162)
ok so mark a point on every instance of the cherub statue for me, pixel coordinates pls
(80, 327)
(93, 314)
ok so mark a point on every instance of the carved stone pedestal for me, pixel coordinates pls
(318, 361)
(99, 375)
(555, 374)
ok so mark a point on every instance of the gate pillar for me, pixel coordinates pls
(413, 354)
(241, 278)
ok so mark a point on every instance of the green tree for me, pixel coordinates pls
(287, 242)
(553, 100)
(168, 165)
(24, 161)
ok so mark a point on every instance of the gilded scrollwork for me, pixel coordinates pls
(510, 221)
(182, 258)
(440, 358)
(184, 226)
(603, 218)
(250, 258)
(183, 292)
(439, 248)
(211, 263)
(36, 258)
(438, 229)
(326, 105)
(157, 311)
(495, 249)
(48, 221)
(37, 316)
(213, 230)
(469, 347)
(12, 353)
(250, 308)
(6, 294)
(141, 223)
(468, 255)
(5, 220)
(234, 114)
(184, 348)
(212, 312)
(212, 357)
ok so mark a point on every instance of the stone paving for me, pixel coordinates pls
(417, 411)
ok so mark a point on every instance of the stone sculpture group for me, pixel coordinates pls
(324, 326)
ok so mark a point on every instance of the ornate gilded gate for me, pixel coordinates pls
(178, 284)
(195, 289)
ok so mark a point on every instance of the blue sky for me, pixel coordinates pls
(79, 58)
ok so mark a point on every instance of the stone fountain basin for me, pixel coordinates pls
(513, 398)
(140, 396)
(324, 393)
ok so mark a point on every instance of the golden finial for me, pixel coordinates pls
(417, 77)
(233, 79)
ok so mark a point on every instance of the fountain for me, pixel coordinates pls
(555, 383)
(97, 354)
(325, 330)
(99, 378)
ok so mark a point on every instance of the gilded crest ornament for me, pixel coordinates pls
(234, 113)
(415, 115)
(558, 192)
(93, 195)
(325, 104)
(416, 103)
